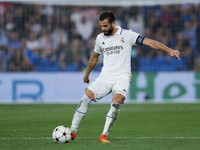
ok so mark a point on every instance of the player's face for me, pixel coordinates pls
(106, 27)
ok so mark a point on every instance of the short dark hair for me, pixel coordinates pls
(107, 15)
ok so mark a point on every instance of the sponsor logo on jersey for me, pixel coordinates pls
(103, 43)
(112, 50)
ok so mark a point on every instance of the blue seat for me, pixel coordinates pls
(177, 64)
(144, 61)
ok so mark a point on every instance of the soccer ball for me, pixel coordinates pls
(61, 134)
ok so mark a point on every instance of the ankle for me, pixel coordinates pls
(73, 130)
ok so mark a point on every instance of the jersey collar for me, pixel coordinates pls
(119, 31)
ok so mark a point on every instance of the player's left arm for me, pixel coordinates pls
(159, 46)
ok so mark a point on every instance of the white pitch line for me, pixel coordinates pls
(32, 138)
(157, 137)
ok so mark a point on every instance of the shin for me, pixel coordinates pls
(111, 117)
(80, 113)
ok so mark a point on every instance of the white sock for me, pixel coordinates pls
(80, 113)
(111, 117)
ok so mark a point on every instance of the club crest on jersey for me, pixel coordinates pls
(122, 40)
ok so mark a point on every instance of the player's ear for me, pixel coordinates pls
(113, 23)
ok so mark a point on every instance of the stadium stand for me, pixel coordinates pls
(48, 38)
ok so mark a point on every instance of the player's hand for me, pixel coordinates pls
(86, 79)
(175, 53)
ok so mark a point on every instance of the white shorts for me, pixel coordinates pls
(102, 86)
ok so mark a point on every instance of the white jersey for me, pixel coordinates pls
(116, 50)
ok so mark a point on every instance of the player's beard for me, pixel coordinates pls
(109, 31)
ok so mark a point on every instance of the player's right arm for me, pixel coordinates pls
(91, 64)
(160, 46)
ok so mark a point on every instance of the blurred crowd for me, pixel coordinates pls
(62, 38)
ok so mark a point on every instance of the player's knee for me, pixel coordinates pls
(118, 98)
(89, 94)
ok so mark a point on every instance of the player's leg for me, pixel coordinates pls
(113, 112)
(80, 112)
(96, 90)
(111, 116)
(120, 90)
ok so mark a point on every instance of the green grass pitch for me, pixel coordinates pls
(139, 127)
